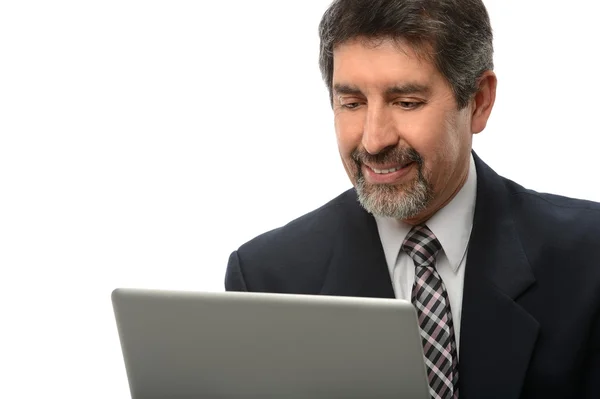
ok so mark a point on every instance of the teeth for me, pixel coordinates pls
(384, 171)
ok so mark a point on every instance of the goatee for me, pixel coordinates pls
(398, 201)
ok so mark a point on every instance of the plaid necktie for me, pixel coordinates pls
(430, 298)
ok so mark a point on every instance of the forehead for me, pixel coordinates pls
(382, 63)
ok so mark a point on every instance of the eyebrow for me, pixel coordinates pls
(405, 89)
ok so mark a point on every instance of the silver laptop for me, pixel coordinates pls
(230, 345)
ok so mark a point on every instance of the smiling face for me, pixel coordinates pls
(403, 141)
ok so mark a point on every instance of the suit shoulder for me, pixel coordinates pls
(555, 227)
(555, 207)
(304, 230)
(294, 258)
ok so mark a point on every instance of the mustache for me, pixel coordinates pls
(401, 156)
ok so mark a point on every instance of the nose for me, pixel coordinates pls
(379, 132)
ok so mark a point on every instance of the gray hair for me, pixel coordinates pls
(456, 35)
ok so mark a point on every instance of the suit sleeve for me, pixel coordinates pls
(234, 279)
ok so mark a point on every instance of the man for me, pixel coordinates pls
(506, 281)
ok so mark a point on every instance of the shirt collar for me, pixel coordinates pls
(451, 225)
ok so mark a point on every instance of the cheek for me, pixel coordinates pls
(348, 135)
(435, 144)
(445, 150)
(428, 140)
(458, 142)
(348, 138)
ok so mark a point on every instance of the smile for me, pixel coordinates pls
(386, 174)
(385, 171)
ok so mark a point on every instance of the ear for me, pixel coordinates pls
(483, 101)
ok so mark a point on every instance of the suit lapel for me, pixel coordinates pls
(357, 266)
(497, 335)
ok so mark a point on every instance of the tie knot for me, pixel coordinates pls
(422, 246)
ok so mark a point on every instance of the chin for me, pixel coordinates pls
(398, 202)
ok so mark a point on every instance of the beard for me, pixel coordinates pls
(398, 201)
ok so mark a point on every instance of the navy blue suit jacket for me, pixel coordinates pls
(530, 324)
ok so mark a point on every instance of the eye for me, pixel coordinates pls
(409, 105)
(351, 105)
(350, 102)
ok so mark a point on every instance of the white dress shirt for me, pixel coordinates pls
(452, 227)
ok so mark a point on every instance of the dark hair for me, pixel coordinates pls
(455, 35)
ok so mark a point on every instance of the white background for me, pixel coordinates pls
(142, 141)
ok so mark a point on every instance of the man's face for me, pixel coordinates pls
(402, 140)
